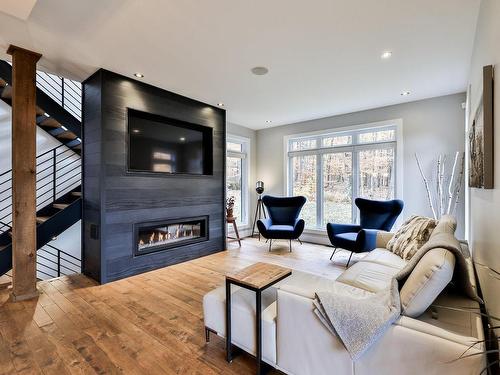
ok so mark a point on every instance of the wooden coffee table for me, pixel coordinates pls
(257, 277)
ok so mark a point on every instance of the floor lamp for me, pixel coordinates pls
(259, 210)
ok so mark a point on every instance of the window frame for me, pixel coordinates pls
(244, 155)
(355, 147)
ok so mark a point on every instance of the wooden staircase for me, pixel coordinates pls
(59, 202)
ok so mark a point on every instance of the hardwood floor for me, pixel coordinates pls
(146, 324)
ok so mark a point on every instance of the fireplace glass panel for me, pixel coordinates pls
(168, 235)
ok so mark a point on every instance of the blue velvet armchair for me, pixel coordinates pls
(283, 222)
(374, 216)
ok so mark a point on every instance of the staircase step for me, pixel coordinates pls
(72, 144)
(49, 122)
(42, 219)
(7, 92)
(5, 281)
(67, 135)
(76, 193)
(60, 206)
(39, 111)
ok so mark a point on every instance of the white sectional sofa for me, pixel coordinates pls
(426, 339)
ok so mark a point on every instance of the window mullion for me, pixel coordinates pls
(355, 184)
(319, 190)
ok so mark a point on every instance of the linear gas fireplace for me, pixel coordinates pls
(167, 234)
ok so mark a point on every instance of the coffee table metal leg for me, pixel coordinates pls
(229, 354)
(258, 333)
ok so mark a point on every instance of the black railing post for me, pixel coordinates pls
(58, 263)
(54, 171)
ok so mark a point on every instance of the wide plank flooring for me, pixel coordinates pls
(146, 324)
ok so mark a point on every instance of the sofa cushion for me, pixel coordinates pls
(427, 280)
(280, 230)
(372, 277)
(411, 236)
(307, 284)
(345, 240)
(385, 257)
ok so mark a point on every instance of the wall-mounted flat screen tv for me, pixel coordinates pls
(159, 144)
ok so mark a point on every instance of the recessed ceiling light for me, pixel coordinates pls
(260, 70)
(136, 131)
(182, 139)
(268, 121)
(386, 55)
(220, 104)
(405, 93)
(139, 75)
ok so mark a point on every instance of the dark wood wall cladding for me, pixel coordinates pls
(116, 199)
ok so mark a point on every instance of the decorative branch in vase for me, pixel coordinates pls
(229, 206)
(444, 200)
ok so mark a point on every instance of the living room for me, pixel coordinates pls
(229, 188)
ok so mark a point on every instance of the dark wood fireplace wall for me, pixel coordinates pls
(116, 200)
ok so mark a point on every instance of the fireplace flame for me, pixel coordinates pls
(164, 235)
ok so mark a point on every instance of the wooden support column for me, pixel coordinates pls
(23, 173)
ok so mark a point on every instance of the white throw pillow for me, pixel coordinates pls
(414, 233)
(428, 279)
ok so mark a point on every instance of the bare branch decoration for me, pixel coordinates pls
(426, 183)
(444, 202)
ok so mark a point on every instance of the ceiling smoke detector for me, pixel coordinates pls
(260, 70)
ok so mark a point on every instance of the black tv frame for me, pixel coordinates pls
(207, 146)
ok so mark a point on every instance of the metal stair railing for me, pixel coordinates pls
(64, 91)
(53, 262)
(58, 172)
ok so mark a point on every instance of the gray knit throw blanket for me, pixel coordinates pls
(360, 320)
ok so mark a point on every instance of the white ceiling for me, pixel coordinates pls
(323, 55)
(18, 8)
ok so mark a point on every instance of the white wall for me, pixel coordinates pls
(251, 134)
(44, 141)
(485, 204)
(430, 127)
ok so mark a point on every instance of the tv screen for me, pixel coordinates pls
(161, 145)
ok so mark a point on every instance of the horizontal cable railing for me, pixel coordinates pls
(64, 91)
(58, 171)
(53, 262)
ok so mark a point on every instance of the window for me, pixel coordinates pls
(237, 176)
(334, 168)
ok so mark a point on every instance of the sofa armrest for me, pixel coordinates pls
(298, 228)
(263, 225)
(383, 238)
(367, 239)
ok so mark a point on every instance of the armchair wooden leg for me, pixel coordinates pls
(270, 243)
(334, 250)
(298, 239)
(350, 256)
(290, 245)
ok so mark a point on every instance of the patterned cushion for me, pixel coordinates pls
(411, 236)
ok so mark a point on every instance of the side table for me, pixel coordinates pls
(257, 277)
(232, 219)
